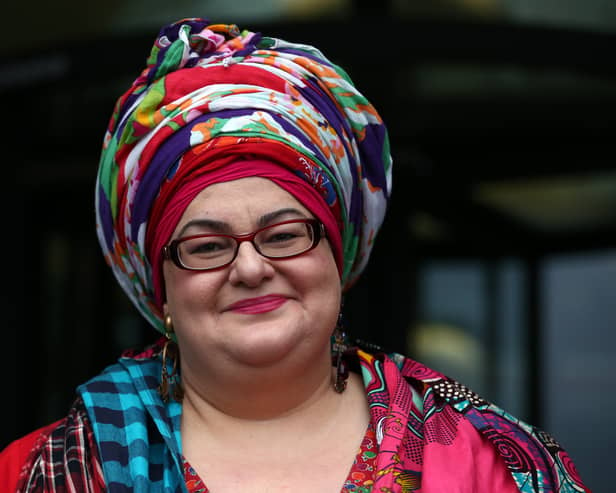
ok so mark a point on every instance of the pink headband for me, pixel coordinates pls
(167, 213)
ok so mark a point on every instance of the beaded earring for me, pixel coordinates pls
(339, 347)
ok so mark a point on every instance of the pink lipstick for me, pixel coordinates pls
(261, 304)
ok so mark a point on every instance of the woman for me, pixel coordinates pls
(242, 182)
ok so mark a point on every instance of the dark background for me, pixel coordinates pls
(499, 249)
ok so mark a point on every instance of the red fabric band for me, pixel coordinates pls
(179, 192)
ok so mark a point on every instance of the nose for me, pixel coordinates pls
(249, 267)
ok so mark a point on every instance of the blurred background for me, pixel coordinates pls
(496, 263)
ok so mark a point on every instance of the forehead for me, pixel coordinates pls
(245, 199)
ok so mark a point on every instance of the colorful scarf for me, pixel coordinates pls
(214, 91)
(424, 424)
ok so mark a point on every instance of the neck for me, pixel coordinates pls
(325, 421)
(249, 393)
(325, 413)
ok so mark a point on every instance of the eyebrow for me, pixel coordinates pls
(224, 227)
(270, 217)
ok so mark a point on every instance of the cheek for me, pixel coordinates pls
(187, 290)
(324, 281)
(331, 276)
(328, 299)
(173, 283)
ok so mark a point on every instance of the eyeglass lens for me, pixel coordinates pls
(276, 241)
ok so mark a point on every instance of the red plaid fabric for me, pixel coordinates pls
(66, 461)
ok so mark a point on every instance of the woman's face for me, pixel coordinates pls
(255, 311)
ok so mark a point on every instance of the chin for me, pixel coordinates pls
(272, 345)
(261, 341)
(262, 355)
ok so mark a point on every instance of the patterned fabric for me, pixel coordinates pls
(138, 435)
(214, 91)
(359, 480)
(414, 422)
(194, 483)
(67, 460)
(361, 476)
(428, 433)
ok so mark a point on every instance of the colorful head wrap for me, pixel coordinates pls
(214, 94)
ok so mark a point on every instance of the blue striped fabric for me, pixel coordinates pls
(138, 435)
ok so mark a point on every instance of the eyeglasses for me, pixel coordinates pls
(212, 251)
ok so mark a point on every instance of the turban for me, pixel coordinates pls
(213, 94)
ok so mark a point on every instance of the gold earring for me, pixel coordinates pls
(168, 321)
(170, 352)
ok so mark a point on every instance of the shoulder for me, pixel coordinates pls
(43, 455)
(441, 405)
(131, 369)
(16, 456)
(42, 459)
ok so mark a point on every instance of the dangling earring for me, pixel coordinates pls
(170, 380)
(168, 325)
(339, 347)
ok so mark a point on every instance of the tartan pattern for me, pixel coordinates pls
(67, 460)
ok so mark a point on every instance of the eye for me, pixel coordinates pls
(281, 237)
(284, 232)
(208, 246)
(293, 236)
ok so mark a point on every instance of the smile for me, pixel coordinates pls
(261, 304)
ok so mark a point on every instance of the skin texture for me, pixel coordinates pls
(212, 336)
(258, 386)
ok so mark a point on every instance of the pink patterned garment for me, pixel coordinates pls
(435, 435)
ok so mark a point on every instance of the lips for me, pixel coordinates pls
(260, 304)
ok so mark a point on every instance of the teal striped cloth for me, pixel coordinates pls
(138, 434)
